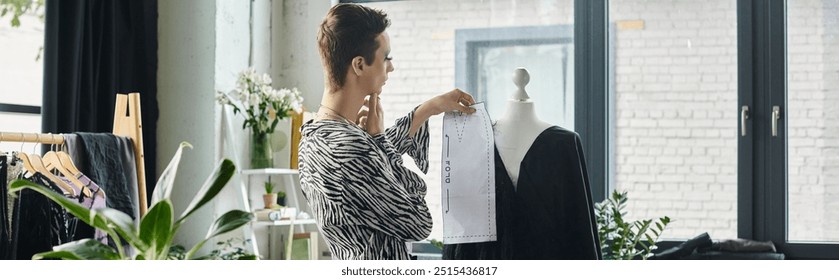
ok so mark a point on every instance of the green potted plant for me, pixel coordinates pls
(281, 198)
(625, 240)
(152, 238)
(269, 198)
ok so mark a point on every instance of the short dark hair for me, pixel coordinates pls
(347, 31)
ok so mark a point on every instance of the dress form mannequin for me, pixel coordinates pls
(551, 217)
(516, 130)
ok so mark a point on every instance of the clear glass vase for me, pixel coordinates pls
(261, 154)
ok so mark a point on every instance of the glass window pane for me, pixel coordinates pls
(675, 86)
(422, 37)
(21, 72)
(19, 123)
(551, 79)
(813, 138)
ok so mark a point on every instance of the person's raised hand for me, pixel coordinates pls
(371, 116)
(455, 100)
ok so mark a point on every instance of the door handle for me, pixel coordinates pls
(776, 115)
(744, 115)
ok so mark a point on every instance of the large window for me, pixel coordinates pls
(724, 121)
(716, 113)
(423, 42)
(813, 138)
(21, 76)
(675, 141)
(485, 56)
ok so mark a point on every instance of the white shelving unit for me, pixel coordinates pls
(229, 144)
(289, 183)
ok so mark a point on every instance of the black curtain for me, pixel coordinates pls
(94, 49)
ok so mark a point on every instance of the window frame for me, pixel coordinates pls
(762, 74)
(469, 41)
(20, 109)
(594, 95)
(762, 210)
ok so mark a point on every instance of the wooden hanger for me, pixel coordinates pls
(26, 163)
(67, 162)
(38, 164)
(34, 164)
(53, 162)
(25, 159)
(127, 122)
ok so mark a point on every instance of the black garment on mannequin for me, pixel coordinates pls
(550, 215)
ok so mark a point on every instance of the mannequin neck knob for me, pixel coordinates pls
(521, 78)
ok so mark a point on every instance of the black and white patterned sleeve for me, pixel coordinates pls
(390, 202)
(416, 146)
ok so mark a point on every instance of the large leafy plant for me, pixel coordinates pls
(625, 240)
(152, 238)
(232, 249)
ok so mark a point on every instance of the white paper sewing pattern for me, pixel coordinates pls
(468, 177)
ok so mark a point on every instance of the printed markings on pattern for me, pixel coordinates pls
(489, 158)
(460, 125)
(460, 128)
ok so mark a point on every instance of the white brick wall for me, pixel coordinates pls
(676, 94)
(675, 81)
(676, 87)
(813, 40)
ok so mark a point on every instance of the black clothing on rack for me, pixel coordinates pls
(38, 222)
(32, 223)
(550, 214)
(13, 168)
(108, 160)
(5, 236)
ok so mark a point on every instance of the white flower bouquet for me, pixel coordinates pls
(263, 105)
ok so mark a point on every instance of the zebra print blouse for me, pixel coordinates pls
(366, 203)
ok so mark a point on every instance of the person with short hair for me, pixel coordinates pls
(366, 203)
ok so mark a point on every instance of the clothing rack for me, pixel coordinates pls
(127, 123)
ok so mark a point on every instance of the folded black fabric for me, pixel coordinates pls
(686, 248)
(717, 255)
(744, 245)
(702, 248)
(108, 160)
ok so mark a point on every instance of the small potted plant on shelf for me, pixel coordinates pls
(270, 197)
(281, 198)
